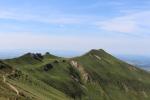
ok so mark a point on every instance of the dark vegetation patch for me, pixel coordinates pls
(64, 61)
(19, 75)
(56, 61)
(47, 67)
(5, 68)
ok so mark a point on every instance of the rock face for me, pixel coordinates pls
(99, 58)
(47, 67)
(84, 74)
(37, 56)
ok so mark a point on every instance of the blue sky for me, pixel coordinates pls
(118, 26)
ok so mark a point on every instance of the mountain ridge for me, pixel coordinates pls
(95, 75)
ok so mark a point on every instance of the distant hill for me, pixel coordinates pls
(96, 75)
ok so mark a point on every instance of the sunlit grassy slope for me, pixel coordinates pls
(94, 76)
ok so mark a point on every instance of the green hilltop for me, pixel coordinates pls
(95, 75)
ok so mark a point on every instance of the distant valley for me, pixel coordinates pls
(140, 61)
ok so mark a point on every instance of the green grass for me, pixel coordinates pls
(108, 78)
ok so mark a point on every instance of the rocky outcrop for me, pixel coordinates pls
(37, 56)
(84, 74)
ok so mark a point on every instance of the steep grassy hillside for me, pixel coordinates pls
(117, 80)
(94, 76)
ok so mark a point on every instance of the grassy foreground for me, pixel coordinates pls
(95, 75)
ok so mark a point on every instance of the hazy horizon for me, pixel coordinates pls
(62, 53)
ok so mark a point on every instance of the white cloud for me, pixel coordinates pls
(119, 25)
(136, 23)
(31, 41)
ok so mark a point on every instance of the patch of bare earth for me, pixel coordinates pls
(99, 58)
(84, 74)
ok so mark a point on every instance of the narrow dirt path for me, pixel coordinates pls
(11, 86)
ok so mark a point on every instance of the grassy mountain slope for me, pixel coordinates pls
(94, 76)
(117, 79)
